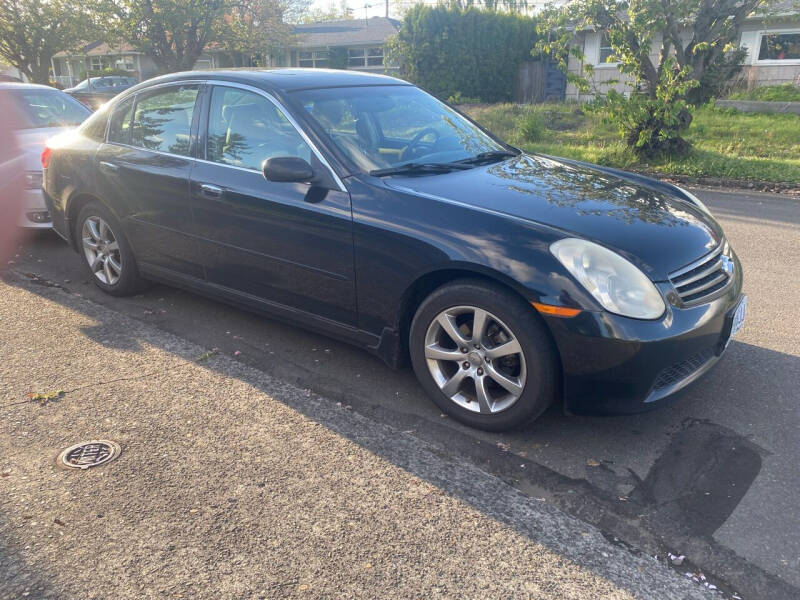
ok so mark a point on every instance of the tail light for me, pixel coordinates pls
(46, 157)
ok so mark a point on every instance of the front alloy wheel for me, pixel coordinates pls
(101, 249)
(475, 359)
(484, 355)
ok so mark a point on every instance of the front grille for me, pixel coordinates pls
(703, 278)
(680, 371)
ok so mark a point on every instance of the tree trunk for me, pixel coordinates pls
(41, 72)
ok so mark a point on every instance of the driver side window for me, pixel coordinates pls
(245, 129)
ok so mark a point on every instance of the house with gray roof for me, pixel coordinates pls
(357, 44)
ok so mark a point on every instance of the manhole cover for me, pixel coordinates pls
(89, 454)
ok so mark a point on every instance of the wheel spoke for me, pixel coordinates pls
(97, 263)
(110, 261)
(449, 325)
(510, 347)
(511, 385)
(484, 401)
(89, 243)
(451, 385)
(93, 231)
(103, 231)
(436, 352)
(479, 325)
(107, 271)
(113, 246)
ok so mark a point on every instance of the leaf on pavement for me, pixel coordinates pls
(44, 398)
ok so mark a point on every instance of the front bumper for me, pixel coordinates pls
(614, 364)
(35, 214)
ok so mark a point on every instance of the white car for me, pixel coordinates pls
(43, 112)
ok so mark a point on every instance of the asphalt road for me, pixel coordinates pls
(234, 485)
(712, 475)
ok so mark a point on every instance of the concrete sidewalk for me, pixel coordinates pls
(232, 484)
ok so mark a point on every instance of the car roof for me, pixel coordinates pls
(285, 80)
(15, 85)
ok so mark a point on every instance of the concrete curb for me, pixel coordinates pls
(759, 106)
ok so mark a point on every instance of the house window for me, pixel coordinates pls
(606, 51)
(125, 63)
(780, 46)
(375, 57)
(317, 59)
(365, 57)
(98, 63)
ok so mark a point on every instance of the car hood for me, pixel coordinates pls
(31, 142)
(657, 230)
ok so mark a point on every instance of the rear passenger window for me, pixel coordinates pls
(119, 130)
(163, 120)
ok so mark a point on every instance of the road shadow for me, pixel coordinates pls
(664, 494)
(18, 577)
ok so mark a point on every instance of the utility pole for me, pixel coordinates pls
(387, 9)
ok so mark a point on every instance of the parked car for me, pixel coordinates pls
(43, 112)
(359, 206)
(96, 91)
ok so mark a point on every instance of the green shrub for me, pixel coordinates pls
(457, 98)
(531, 127)
(449, 50)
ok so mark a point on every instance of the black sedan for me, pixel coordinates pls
(359, 206)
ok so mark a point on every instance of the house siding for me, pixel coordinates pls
(754, 72)
(606, 76)
(67, 70)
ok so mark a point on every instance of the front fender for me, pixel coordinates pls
(401, 237)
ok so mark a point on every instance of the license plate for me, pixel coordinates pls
(738, 316)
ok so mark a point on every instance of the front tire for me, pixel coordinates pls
(106, 253)
(483, 355)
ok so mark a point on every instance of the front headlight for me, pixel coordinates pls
(615, 283)
(696, 201)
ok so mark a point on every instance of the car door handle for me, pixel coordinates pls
(210, 191)
(109, 167)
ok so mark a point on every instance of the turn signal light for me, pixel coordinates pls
(558, 311)
(45, 157)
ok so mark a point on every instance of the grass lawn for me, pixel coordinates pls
(726, 143)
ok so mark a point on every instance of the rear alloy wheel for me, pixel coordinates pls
(101, 249)
(107, 255)
(483, 355)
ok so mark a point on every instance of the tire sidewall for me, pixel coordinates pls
(542, 372)
(129, 281)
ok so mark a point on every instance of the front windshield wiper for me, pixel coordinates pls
(414, 167)
(492, 155)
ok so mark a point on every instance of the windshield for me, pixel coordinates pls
(382, 127)
(49, 108)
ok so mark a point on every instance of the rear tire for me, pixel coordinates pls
(500, 377)
(105, 251)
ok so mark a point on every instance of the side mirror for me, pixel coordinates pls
(291, 169)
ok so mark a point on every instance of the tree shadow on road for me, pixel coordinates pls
(461, 452)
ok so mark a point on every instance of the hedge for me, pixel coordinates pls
(473, 53)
